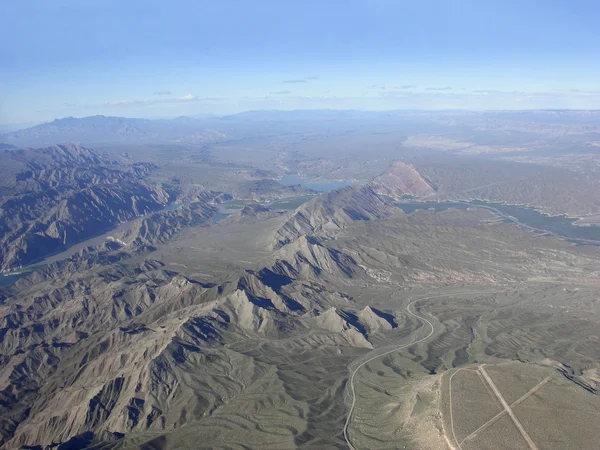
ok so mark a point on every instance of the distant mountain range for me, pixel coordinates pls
(102, 129)
(99, 130)
(202, 129)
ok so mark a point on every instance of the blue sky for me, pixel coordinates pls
(167, 58)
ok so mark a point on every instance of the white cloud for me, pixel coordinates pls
(301, 80)
(188, 98)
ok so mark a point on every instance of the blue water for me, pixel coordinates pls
(437, 206)
(289, 203)
(220, 216)
(560, 225)
(526, 216)
(319, 186)
(5, 280)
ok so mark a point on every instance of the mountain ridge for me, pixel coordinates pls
(54, 197)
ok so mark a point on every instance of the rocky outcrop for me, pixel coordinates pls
(333, 211)
(401, 180)
(374, 320)
(308, 257)
(161, 226)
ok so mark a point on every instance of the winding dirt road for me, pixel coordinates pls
(395, 349)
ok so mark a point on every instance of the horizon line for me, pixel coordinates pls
(215, 116)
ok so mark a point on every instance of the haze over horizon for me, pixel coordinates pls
(151, 59)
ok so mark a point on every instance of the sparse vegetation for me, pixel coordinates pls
(173, 329)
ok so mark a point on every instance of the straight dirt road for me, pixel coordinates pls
(507, 407)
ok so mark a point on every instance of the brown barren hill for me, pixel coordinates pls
(401, 179)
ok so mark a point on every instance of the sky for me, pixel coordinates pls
(148, 58)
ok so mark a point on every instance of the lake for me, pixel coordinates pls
(290, 203)
(233, 206)
(436, 206)
(5, 280)
(523, 216)
(559, 225)
(319, 186)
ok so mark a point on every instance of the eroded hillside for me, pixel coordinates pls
(58, 196)
(194, 300)
(116, 342)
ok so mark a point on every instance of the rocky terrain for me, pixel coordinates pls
(332, 212)
(402, 180)
(318, 320)
(176, 320)
(113, 343)
(61, 195)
